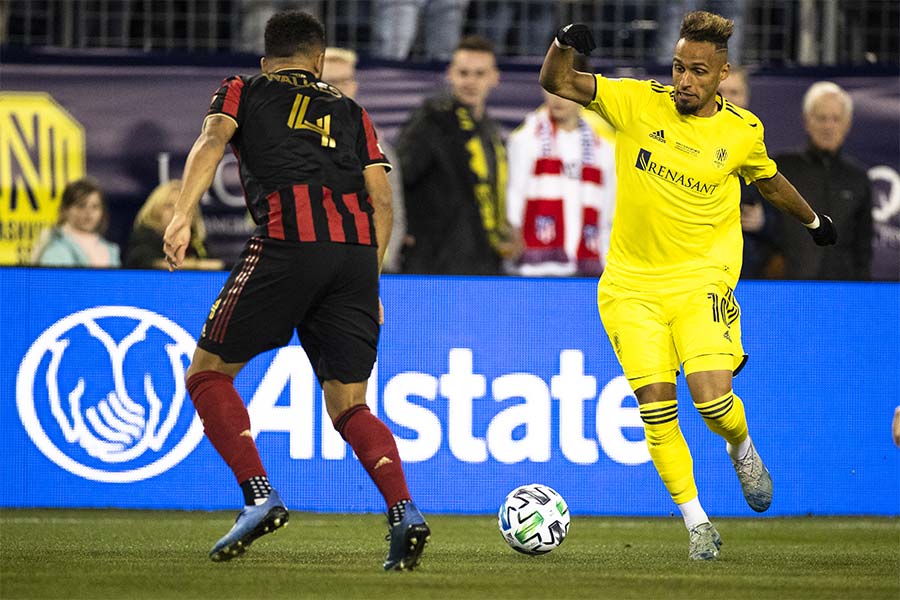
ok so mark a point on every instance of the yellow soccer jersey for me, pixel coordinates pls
(678, 194)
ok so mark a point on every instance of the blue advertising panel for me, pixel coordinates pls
(487, 384)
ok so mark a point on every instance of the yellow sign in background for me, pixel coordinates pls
(41, 150)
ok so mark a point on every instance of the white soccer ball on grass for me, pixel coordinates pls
(534, 519)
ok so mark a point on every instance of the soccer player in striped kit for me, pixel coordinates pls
(315, 182)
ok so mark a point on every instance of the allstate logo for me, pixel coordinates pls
(101, 393)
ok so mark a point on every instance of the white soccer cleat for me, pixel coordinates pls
(705, 542)
(755, 479)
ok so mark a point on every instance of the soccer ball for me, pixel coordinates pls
(534, 519)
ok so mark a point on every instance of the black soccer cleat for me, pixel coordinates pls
(253, 522)
(408, 539)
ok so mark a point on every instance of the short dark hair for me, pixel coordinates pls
(476, 43)
(75, 192)
(702, 26)
(293, 32)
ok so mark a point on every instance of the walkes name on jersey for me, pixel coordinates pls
(662, 172)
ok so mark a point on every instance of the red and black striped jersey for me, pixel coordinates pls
(301, 147)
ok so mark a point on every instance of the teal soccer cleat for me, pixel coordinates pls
(252, 523)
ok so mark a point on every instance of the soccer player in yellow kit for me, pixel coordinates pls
(666, 298)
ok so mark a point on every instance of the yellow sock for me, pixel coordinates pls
(669, 451)
(725, 416)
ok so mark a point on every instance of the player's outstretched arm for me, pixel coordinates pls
(199, 171)
(557, 73)
(784, 196)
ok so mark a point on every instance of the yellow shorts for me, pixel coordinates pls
(653, 333)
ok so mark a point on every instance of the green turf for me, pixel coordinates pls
(143, 554)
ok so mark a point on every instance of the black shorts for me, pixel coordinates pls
(328, 292)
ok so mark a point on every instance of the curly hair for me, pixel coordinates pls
(702, 26)
(293, 32)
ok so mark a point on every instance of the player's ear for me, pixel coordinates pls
(724, 72)
(320, 64)
(263, 65)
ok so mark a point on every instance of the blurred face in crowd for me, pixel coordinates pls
(697, 70)
(563, 112)
(735, 89)
(342, 75)
(472, 75)
(828, 122)
(86, 214)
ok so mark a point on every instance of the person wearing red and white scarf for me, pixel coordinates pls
(561, 191)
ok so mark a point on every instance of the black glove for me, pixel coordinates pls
(825, 234)
(578, 36)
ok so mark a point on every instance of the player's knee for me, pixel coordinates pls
(654, 392)
(340, 397)
(707, 386)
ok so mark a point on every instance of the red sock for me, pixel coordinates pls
(374, 444)
(224, 417)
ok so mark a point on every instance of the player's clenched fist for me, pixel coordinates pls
(825, 234)
(578, 36)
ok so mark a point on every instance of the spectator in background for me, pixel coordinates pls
(561, 193)
(396, 22)
(454, 173)
(520, 27)
(77, 240)
(340, 71)
(759, 219)
(832, 183)
(145, 245)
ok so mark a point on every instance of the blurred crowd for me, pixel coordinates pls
(470, 200)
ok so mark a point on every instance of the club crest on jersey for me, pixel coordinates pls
(721, 157)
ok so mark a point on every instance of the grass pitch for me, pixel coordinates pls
(143, 554)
